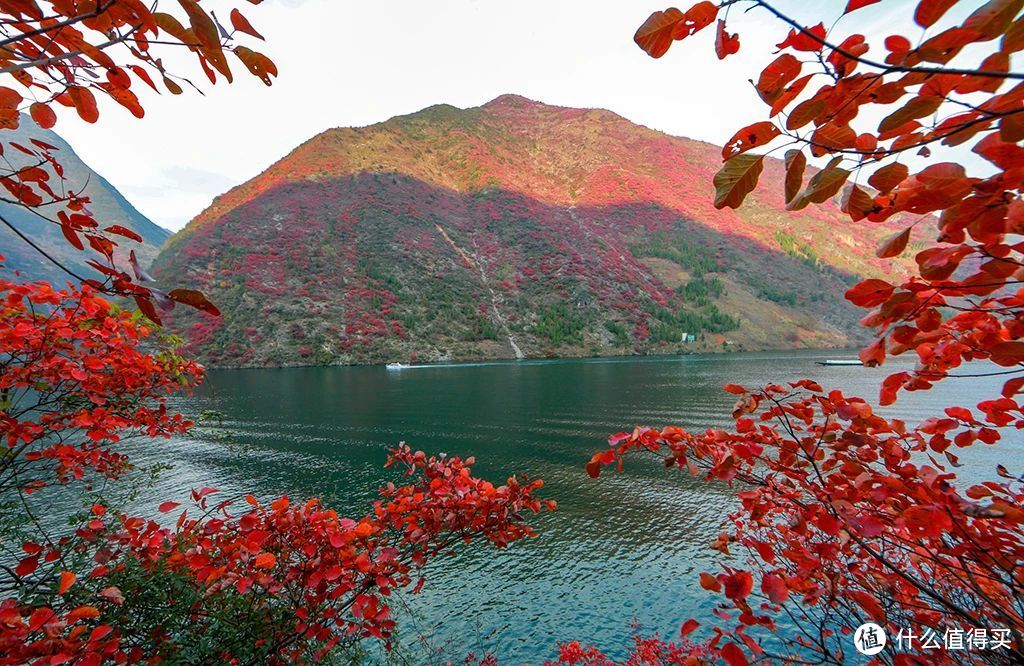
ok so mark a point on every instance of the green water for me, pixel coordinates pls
(623, 548)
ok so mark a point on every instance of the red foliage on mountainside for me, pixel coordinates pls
(460, 234)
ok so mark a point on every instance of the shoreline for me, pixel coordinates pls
(540, 360)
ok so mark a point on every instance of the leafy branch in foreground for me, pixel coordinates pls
(62, 54)
(844, 516)
(269, 582)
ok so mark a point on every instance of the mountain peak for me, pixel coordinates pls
(515, 228)
(512, 100)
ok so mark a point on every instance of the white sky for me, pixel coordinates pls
(345, 63)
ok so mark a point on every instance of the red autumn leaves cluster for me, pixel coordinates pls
(846, 516)
(662, 28)
(851, 515)
(46, 49)
(974, 262)
(290, 580)
(70, 54)
(73, 349)
(310, 579)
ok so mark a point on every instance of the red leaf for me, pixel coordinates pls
(1013, 387)
(733, 655)
(993, 18)
(81, 613)
(43, 115)
(656, 34)
(805, 112)
(696, 19)
(796, 163)
(854, 5)
(894, 245)
(710, 583)
(144, 75)
(930, 11)
(888, 177)
(194, 299)
(9, 98)
(808, 39)
(870, 293)
(897, 44)
(85, 103)
(688, 627)
(598, 460)
(725, 44)
(822, 186)
(775, 588)
(67, 579)
(790, 93)
(241, 24)
(751, 136)
(776, 76)
(145, 305)
(869, 604)
(917, 107)
(738, 585)
(40, 617)
(265, 561)
(874, 354)
(27, 566)
(1007, 354)
(113, 595)
(69, 233)
(832, 137)
(168, 506)
(858, 203)
(123, 231)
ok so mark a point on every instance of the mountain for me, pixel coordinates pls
(511, 229)
(107, 204)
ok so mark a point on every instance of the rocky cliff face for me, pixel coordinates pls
(515, 228)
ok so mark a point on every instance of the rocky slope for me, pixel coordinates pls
(512, 229)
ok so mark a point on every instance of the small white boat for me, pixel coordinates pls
(841, 361)
(396, 366)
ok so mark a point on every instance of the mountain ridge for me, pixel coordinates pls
(560, 231)
(107, 204)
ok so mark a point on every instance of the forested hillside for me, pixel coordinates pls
(512, 229)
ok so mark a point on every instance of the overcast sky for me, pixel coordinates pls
(345, 63)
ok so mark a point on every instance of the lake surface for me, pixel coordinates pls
(620, 549)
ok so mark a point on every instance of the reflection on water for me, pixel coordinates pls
(620, 548)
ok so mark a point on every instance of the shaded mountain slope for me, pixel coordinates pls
(515, 228)
(108, 205)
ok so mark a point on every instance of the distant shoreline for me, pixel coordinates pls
(539, 360)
